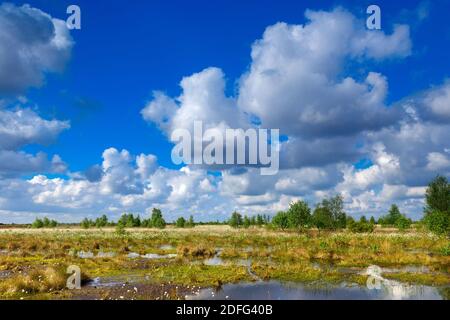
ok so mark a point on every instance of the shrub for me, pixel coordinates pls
(101, 222)
(362, 226)
(190, 223)
(403, 223)
(437, 222)
(86, 223)
(437, 209)
(437, 196)
(281, 220)
(180, 223)
(37, 224)
(395, 219)
(129, 221)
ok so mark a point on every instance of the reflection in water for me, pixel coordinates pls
(159, 256)
(218, 261)
(90, 255)
(151, 256)
(275, 290)
(117, 281)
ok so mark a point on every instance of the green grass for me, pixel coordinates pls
(287, 256)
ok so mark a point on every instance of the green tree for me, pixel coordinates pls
(181, 222)
(246, 222)
(329, 214)
(372, 220)
(101, 221)
(437, 208)
(190, 223)
(437, 196)
(86, 223)
(438, 222)
(46, 222)
(235, 220)
(392, 217)
(299, 215)
(403, 223)
(281, 220)
(53, 224)
(259, 220)
(157, 220)
(323, 218)
(37, 224)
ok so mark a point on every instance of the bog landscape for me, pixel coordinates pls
(224, 150)
(297, 254)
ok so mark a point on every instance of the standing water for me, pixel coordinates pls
(275, 290)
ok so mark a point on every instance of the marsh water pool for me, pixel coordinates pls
(276, 290)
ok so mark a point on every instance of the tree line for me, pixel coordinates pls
(329, 214)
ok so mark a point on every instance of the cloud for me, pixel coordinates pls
(32, 43)
(309, 80)
(21, 127)
(300, 80)
(297, 83)
(298, 70)
(24, 126)
(202, 99)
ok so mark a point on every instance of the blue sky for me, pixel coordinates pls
(124, 51)
(127, 50)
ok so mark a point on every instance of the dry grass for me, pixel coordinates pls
(37, 258)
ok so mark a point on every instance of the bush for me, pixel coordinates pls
(395, 219)
(37, 224)
(190, 223)
(180, 223)
(363, 226)
(129, 221)
(437, 196)
(45, 223)
(403, 223)
(281, 220)
(437, 209)
(86, 223)
(101, 222)
(437, 222)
